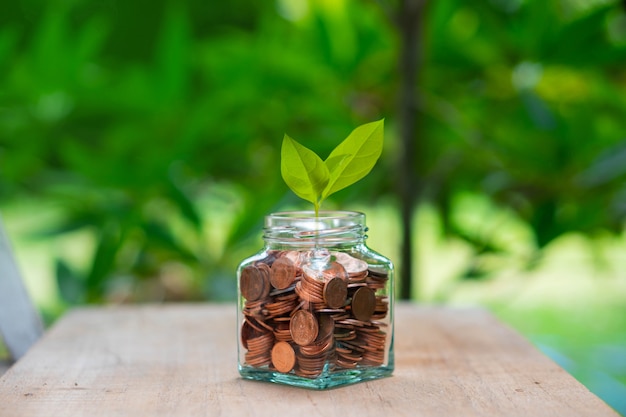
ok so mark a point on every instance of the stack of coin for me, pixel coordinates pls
(366, 348)
(348, 355)
(304, 320)
(255, 282)
(312, 357)
(382, 307)
(347, 358)
(281, 329)
(343, 331)
(373, 341)
(325, 288)
(259, 344)
(253, 313)
(280, 305)
(310, 288)
(377, 280)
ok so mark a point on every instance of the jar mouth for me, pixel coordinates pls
(323, 215)
(304, 226)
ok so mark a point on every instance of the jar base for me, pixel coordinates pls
(326, 380)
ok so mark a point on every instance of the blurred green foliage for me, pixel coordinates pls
(128, 116)
(150, 131)
(149, 124)
(523, 102)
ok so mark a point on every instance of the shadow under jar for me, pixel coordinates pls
(315, 305)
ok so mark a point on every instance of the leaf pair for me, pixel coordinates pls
(314, 180)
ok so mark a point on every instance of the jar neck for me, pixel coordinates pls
(302, 229)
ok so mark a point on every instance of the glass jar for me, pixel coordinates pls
(315, 305)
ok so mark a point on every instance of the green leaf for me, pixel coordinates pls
(355, 157)
(303, 171)
(314, 180)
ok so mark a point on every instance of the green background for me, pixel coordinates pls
(140, 150)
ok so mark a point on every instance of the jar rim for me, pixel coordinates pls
(322, 214)
(305, 226)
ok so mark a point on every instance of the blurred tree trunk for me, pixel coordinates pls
(409, 21)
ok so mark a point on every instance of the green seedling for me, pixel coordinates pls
(313, 179)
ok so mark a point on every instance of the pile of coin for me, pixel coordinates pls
(305, 312)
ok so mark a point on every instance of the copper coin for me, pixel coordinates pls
(335, 292)
(335, 269)
(309, 293)
(295, 257)
(246, 333)
(283, 357)
(265, 272)
(268, 260)
(303, 327)
(283, 273)
(252, 283)
(352, 265)
(326, 327)
(363, 303)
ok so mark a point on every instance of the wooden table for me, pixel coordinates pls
(180, 360)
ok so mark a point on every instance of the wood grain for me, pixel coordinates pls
(180, 360)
